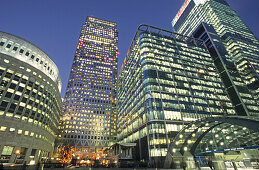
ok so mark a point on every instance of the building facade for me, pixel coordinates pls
(89, 118)
(232, 45)
(30, 101)
(167, 81)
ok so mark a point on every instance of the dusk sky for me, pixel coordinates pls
(54, 25)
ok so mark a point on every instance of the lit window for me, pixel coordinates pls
(2, 128)
(26, 133)
(8, 150)
(19, 131)
(12, 129)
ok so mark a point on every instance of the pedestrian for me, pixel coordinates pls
(38, 165)
(210, 164)
(184, 165)
(24, 165)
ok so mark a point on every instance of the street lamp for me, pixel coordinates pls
(17, 152)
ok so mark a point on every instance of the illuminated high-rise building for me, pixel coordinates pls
(167, 81)
(232, 45)
(30, 101)
(89, 118)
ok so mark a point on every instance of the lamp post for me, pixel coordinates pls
(17, 152)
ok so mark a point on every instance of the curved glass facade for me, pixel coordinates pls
(229, 137)
(30, 101)
(167, 81)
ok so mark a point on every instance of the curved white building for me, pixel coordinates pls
(30, 101)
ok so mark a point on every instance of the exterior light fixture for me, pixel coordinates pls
(17, 152)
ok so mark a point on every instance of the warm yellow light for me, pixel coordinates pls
(17, 152)
(201, 71)
(32, 162)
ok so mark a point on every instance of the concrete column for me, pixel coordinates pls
(189, 160)
(27, 156)
(37, 156)
(218, 161)
(246, 154)
(176, 164)
(1, 149)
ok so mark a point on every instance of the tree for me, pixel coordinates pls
(65, 153)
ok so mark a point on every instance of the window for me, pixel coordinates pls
(32, 134)
(2, 128)
(8, 45)
(26, 133)
(33, 152)
(27, 53)
(8, 95)
(4, 104)
(2, 43)
(12, 129)
(15, 48)
(21, 51)
(19, 132)
(8, 150)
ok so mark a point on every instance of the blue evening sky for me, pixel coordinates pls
(54, 25)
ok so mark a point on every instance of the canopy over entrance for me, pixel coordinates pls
(215, 134)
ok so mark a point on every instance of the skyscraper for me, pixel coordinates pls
(167, 80)
(89, 118)
(232, 45)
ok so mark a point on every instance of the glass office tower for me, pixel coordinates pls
(233, 45)
(166, 81)
(89, 118)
